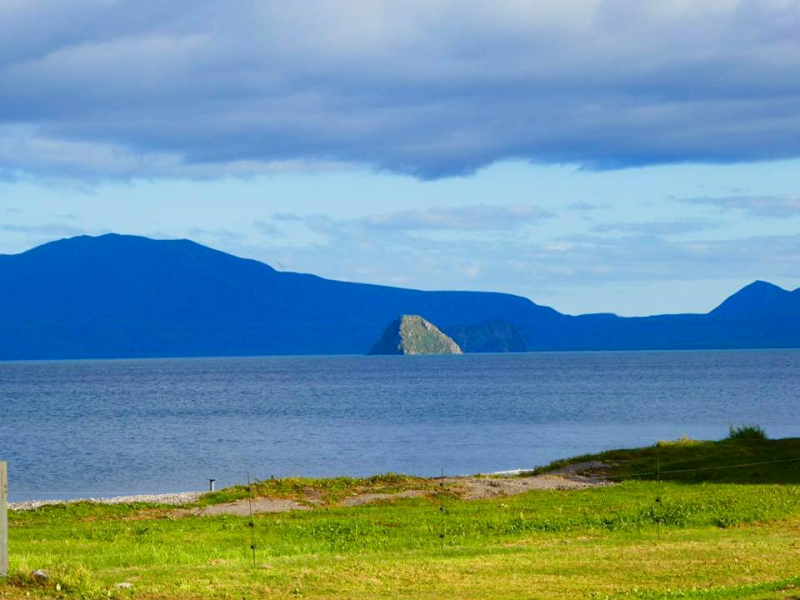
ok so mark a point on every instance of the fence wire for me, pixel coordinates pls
(700, 469)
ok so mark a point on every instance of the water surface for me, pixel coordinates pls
(83, 428)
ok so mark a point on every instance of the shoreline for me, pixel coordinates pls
(175, 499)
(566, 477)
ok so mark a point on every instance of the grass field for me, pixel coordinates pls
(722, 533)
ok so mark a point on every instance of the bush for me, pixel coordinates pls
(748, 433)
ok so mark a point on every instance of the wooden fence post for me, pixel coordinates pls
(3, 519)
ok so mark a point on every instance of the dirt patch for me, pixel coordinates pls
(574, 477)
(362, 499)
(241, 508)
(312, 496)
(592, 470)
(482, 488)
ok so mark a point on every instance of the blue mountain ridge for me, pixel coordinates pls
(116, 296)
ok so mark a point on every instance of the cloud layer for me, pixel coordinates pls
(532, 263)
(465, 218)
(776, 207)
(432, 88)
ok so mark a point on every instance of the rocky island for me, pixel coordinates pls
(490, 336)
(411, 334)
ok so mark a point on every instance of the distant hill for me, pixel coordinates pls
(127, 296)
(760, 299)
(411, 334)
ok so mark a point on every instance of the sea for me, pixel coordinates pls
(77, 429)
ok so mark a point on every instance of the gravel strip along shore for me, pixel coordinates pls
(174, 499)
(506, 483)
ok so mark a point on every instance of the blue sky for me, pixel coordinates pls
(630, 157)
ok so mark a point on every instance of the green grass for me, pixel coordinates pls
(698, 461)
(325, 491)
(730, 538)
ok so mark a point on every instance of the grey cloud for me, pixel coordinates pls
(583, 206)
(639, 253)
(471, 218)
(673, 227)
(265, 228)
(465, 218)
(48, 229)
(759, 206)
(221, 234)
(187, 89)
(317, 223)
(286, 217)
(534, 267)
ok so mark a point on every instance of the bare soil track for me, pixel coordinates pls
(574, 477)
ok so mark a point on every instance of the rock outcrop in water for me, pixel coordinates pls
(411, 334)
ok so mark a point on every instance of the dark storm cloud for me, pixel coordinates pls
(435, 88)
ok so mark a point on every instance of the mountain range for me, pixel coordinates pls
(126, 296)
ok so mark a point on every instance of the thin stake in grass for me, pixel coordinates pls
(659, 517)
(252, 523)
(442, 511)
(658, 499)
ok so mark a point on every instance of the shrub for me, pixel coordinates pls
(747, 433)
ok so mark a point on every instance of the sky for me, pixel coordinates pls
(635, 157)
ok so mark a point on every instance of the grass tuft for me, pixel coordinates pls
(72, 580)
(683, 441)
